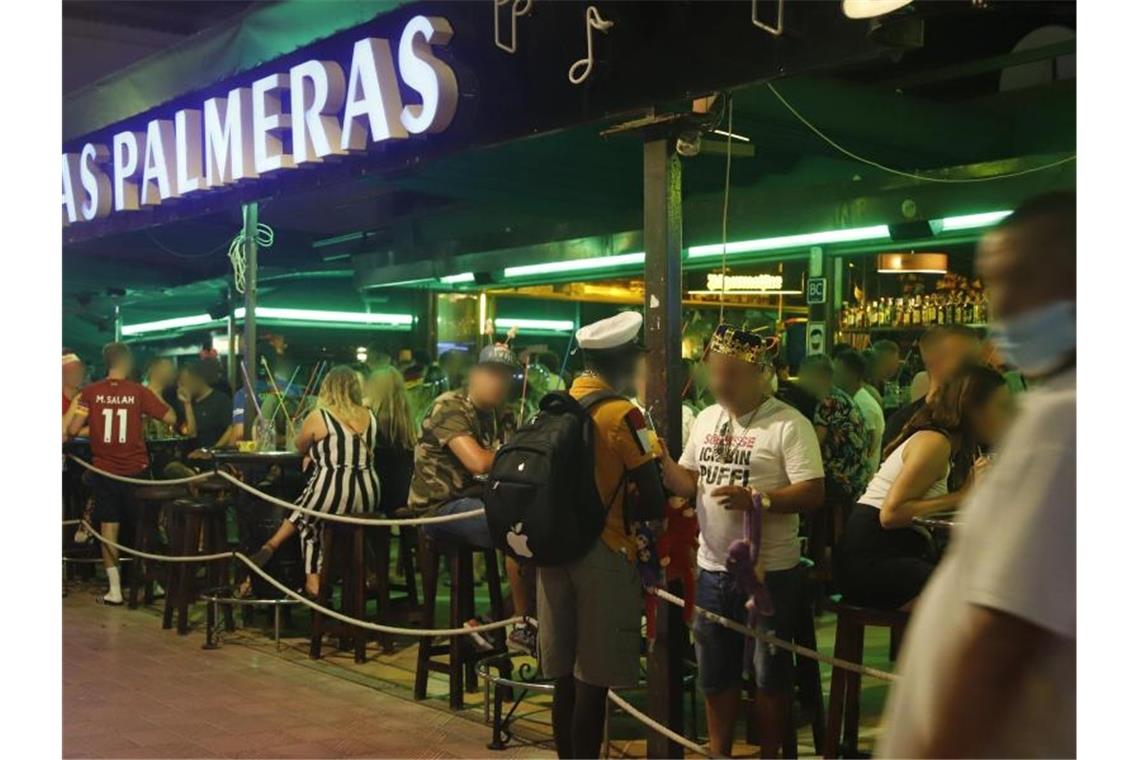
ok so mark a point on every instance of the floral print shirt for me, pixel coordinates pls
(844, 447)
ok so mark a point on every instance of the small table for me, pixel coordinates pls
(244, 459)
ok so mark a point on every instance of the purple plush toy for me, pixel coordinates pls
(747, 570)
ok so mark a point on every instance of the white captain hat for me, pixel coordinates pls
(618, 331)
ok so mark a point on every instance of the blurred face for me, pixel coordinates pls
(950, 353)
(990, 421)
(162, 374)
(887, 365)
(736, 384)
(845, 378)
(816, 382)
(489, 384)
(73, 374)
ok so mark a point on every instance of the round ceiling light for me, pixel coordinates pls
(871, 8)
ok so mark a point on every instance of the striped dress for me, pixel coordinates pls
(343, 480)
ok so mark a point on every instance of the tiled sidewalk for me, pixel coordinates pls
(131, 689)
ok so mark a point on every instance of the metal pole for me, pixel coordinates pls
(662, 179)
(233, 376)
(249, 339)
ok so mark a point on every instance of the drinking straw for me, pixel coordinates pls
(249, 389)
(522, 401)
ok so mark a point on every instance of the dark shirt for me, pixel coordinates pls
(394, 466)
(170, 396)
(899, 418)
(797, 398)
(212, 416)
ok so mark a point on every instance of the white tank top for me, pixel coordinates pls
(889, 470)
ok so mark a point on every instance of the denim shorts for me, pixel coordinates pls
(474, 531)
(721, 652)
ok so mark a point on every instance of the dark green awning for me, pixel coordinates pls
(213, 55)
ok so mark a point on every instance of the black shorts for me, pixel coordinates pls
(112, 497)
(880, 568)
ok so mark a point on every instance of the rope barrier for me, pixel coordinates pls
(71, 522)
(770, 639)
(663, 730)
(390, 629)
(398, 631)
(348, 519)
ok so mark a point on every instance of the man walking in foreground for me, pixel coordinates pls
(989, 663)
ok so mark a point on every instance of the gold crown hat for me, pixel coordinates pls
(743, 345)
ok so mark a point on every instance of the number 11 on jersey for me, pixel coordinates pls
(108, 423)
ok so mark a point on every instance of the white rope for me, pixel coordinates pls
(140, 481)
(770, 639)
(663, 730)
(349, 519)
(263, 236)
(156, 557)
(394, 630)
(71, 522)
(911, 175)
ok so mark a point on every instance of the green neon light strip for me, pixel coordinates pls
(854, 234)
(454, 279)
(556, 325)
(973, 221)
(312, 315)
(403, 283)
(269, 313)
(168, 324)
(576, 265)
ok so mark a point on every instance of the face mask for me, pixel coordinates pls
(1040, 340)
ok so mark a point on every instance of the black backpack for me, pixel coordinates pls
(542, 499)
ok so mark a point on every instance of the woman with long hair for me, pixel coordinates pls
(882, 560)
(339, 437)
(395, 437)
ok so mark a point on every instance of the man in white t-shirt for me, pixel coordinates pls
(748, 451)
(989, 663)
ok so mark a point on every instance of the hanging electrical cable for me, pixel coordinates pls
(910, 175)
(724, 211)
(264, 239)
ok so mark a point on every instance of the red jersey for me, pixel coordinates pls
(114, 411)
(66, 403)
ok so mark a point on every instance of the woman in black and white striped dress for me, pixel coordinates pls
(339, 436)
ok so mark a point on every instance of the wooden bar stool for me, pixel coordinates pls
(197, 527)
(341, 544)
(461, 656)
(843, 702)
(149, 501)
(407, 537)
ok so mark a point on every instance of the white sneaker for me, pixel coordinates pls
(112, 600)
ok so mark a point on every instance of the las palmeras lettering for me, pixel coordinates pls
(249, 133)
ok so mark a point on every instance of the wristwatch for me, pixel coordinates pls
(760, 500)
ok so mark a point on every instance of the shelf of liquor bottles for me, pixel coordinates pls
(954, 300)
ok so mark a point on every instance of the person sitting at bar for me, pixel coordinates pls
(395, 439)
(114, 409)
(748, 452)
(208, 413)
(881, 561)
(338, 438)
(159, 378)
(461, 432)
(839, 429)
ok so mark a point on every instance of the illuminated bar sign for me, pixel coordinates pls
(248, 133)
(736, 282)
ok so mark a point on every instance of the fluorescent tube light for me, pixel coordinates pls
(557, 325)
(313, 315)
(454, 279)
(168, 324)
(854, 234)
(576, 265)
(973, 221)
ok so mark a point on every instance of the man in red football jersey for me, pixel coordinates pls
(113, 410)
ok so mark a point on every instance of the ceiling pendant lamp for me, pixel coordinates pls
(871, 8)
(913, 263)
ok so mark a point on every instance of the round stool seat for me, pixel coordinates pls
(868, 616)
(196, 504)
(214, 485)
(159, 492)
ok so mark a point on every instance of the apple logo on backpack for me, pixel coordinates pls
(516, 539)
